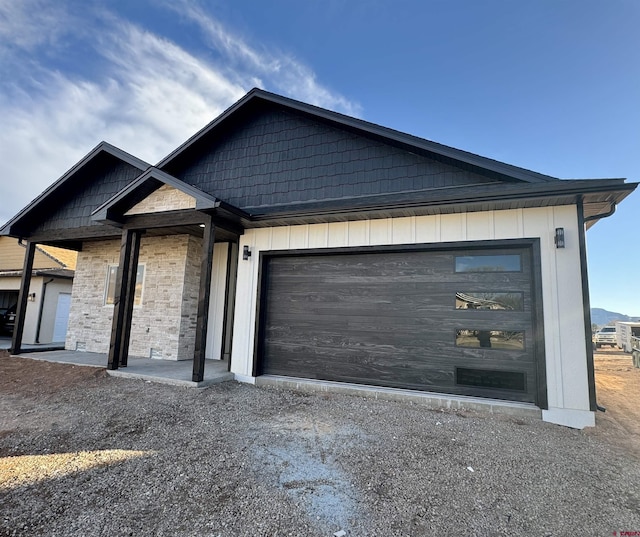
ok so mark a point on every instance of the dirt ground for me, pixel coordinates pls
(24, 378)
(617, 390)
(86, 454)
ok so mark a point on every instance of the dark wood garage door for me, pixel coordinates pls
(457, 321)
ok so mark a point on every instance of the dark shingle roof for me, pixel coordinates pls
(260, 98)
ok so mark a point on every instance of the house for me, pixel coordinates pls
(49, 293)
(299, 243)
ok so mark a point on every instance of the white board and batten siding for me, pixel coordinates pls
(217, 301)
(566, 365)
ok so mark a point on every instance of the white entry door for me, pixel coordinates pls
(62, 317)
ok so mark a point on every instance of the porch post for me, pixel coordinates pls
(122, 304)
(23, 295)
(229, 302)
(204, 295)
(130, 295)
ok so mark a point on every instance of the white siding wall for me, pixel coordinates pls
(562, 291)
(216, 304)
(50, 306)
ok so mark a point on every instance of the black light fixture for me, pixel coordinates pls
(246, 253)
(559, 238)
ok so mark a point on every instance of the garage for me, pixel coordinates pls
(8, 299)
(459, 321)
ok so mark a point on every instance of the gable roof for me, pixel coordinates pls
(271, 160)
(257, 98)
(12, 227)
(143, 186)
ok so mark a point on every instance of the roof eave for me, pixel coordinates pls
(568, 194)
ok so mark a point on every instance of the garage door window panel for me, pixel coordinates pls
(489, 263)
(492, 301)
(508, 340)
(486, 378)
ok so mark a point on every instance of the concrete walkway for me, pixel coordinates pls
(173, 372)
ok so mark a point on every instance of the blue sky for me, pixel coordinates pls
(550, 85)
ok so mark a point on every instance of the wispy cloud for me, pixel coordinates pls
(30, 24)
(130, 86)
(275, 69)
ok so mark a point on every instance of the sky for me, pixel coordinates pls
(551, 85)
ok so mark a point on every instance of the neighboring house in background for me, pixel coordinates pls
(344, 251)
(49, 294)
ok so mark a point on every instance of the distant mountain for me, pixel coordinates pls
(602, 317)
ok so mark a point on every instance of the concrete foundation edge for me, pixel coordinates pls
(429, 400)
(170, 381)
(247, 379)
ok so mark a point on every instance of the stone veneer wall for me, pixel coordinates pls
(166, 198)
(165, 322)
(190, 294)
(89, 319)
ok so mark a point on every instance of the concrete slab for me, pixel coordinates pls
(177, 373)
(5, 344)
(428, 399)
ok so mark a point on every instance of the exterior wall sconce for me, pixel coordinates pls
(32, 297)
(559, 238)
(246, 253)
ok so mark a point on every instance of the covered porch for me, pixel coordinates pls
(176, 373)
(168, 293)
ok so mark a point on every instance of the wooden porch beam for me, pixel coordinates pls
(164, 219)
(23, 296)
(204, 296)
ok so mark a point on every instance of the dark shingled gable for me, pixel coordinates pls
(72, 204)
(277, 157)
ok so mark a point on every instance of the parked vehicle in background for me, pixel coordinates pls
(3, 311)
(7, 320)
(606, 336)
(624, 332)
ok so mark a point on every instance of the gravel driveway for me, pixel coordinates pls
(86, 454)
